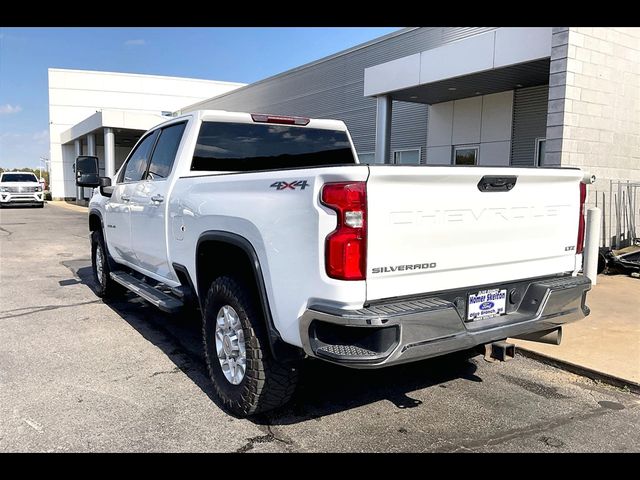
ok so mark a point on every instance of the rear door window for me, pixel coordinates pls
(165, 152)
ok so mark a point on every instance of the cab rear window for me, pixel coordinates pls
(242, 147)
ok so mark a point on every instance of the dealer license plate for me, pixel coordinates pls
(486, 303)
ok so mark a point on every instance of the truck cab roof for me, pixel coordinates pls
(260, 117)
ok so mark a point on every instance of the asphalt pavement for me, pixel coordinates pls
(78, 374)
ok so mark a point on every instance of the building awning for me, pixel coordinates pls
(117, 119)
(503, 59)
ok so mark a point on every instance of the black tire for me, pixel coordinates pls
(104, 286)
(267, 384)
(40, 205)
(602, 263)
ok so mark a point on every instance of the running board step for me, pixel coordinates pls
(164, 302)
(345, 351)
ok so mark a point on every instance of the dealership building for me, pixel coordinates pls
(105, 113)
(517, 96)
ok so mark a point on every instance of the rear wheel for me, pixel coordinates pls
(105, 287)
(246, 378)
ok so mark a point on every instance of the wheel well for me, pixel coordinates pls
(94, 223)
(231, 255)
(218, 258)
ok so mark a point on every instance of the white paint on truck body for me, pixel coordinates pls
(416, 215)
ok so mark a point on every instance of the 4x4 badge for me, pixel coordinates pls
(293, 185)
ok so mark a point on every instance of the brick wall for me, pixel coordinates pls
(593, 119)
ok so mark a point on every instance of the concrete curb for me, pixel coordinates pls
(68, 206)
(581, 370)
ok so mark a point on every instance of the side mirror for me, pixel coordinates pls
(106, 190)
(86, 168)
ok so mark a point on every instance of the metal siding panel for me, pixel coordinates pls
(409, 127)
(334, 89)
(529, 123)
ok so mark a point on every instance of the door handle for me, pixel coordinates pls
(157, 199)
(489, 183)
(125, 198)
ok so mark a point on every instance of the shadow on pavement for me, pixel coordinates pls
(324, 388)
(17, 206)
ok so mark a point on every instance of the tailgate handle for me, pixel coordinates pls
(490, 183)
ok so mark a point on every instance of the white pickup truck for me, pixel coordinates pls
(291, 248)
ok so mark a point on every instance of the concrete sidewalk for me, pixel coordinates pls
(608, 340)
(67, 205)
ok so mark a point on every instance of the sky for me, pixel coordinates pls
(229, 54)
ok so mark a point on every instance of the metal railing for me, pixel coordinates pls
(621, 214)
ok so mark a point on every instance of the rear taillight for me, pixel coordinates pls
(583, 197)
(282, 119)
(346, 246)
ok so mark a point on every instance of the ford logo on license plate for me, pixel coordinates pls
(486, 305)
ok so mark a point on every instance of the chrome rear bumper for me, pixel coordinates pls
(402, 331)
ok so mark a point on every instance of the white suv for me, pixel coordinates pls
(20, 188)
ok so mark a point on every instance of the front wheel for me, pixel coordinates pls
(247, 379)
(105, 287)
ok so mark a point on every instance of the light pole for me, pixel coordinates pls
(45, 160)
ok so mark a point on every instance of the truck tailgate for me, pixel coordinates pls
(434, 228)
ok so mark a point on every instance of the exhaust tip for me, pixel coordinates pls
(550, 337)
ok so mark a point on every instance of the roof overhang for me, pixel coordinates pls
(121, 119)
(503, 59)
